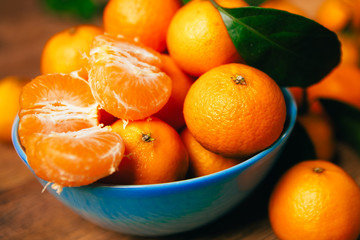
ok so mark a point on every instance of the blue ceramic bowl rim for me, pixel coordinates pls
(186, 183)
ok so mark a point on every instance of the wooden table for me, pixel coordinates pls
(27, 213)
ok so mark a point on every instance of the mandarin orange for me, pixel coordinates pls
(203, 162)
(146, 20)
(67, 51)
(341, 84)
(315, 200)
(10, 88)
(172, 112)
(334, 14)
(235, 110)
(154, 153)
(198, 39)
(232, 3)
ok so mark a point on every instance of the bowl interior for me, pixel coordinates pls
(193, 182)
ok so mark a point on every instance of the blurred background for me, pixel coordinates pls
(25, 26)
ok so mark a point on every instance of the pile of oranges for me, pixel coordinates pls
(160, 94)
(150, 106)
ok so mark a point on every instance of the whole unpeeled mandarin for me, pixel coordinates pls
(341, 84)
(235, 110)
(198, 39)
(10, 88)
(315, 200)
(154, 153)
(145, 20)
(172, 112)
(203, 162)
(67, 51)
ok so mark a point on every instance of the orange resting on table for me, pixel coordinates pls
(126, 78)
(154, 153)
(58, 128)
(315, 200)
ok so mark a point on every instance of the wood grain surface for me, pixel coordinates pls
(27, 213)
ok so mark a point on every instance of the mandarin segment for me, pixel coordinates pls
(56, 103)
(126, 78)
(75, 158)
(315, 200)
(154, 153)
(235, 110)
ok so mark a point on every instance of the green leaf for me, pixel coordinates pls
(254, 2)
(292, 49)
(346, 120)
(185, 1)
(85, 9)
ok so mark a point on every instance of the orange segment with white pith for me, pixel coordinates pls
(126, 78)
(56, 103)
(75, 158)
(59, 129)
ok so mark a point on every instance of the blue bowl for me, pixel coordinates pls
(169, 208)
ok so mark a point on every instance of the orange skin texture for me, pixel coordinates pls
(235, 119)
(126, 78)
(315, 205)
(321, 134)
(143, 19)
(203, 162)
(172, 112)
(66, 51)
(163, 158)
(55, 103)
(341, 84)
(198, 39)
